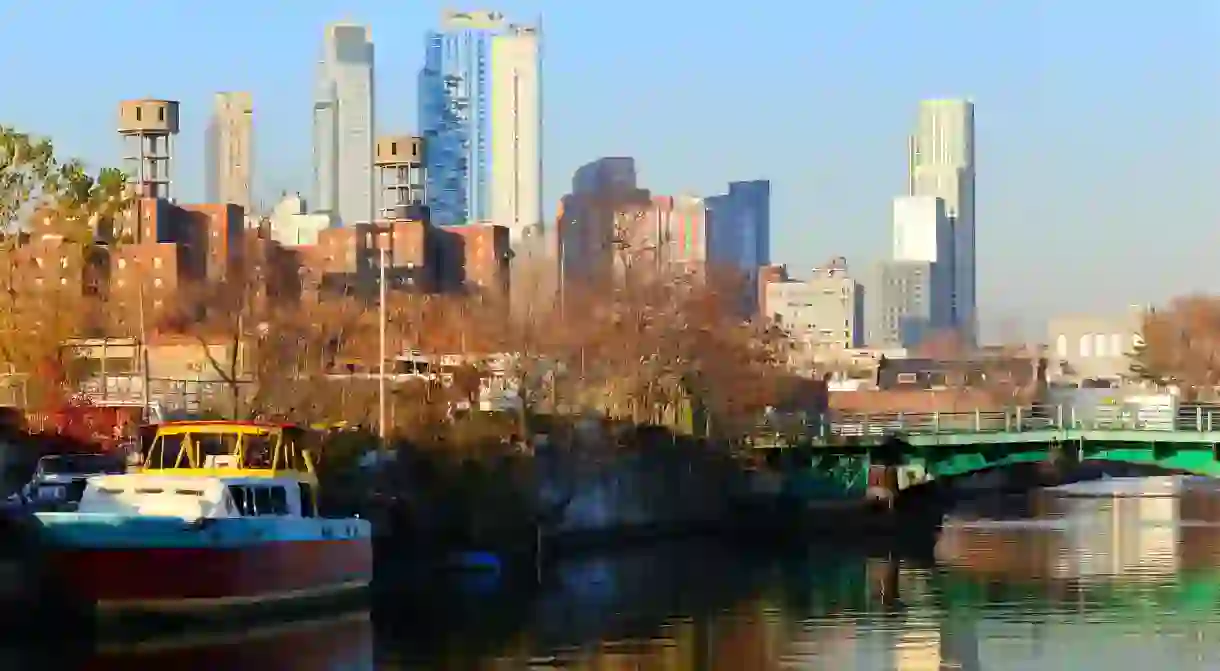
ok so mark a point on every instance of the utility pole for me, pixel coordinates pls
(139, 236)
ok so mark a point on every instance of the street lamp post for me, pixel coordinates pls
(381, 382)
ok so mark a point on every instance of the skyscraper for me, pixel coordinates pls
(229, 150)
(480, 114)
(922, 233)
(454, 115)
(739, 232)
(516, 131)
(343, 128)
(941, 159)
(607, 174)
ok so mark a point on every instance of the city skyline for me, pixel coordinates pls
(1051, 171)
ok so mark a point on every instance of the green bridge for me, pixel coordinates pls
(928, 446)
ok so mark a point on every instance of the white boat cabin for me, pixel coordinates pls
(195, 497)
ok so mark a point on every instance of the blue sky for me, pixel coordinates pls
(1098, 122)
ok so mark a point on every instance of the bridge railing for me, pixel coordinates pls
(1024, 418)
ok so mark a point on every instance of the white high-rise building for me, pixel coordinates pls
(516, 131)
(941, 157)
(922, 232)
(343, 128)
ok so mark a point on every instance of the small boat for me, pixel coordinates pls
(221, 515)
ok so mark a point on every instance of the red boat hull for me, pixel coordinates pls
(174, 579)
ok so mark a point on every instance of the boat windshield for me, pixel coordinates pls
(81, 463)
(241, 446)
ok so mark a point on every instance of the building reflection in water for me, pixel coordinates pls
(1110, 528)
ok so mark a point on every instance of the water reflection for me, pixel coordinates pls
(332, 643)
(1120, 574)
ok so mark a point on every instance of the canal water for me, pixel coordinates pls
(1115, 575)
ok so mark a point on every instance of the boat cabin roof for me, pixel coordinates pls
(192, 497)
(225, 426)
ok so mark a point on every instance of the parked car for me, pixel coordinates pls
(59, 480)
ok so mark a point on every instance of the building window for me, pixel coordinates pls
(160, 114)
(122, 263)
(1099, 345)
(1116, 345)
(138, 115)
(1061, 346)
(38, 261)
(157, 282)
(63, 262)
(907, 378)
(156, 262)
(1086, 345)
(63, 281)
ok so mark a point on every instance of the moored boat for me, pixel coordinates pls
(221, 515)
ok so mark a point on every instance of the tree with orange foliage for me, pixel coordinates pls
(74, 208)
(1180, 346)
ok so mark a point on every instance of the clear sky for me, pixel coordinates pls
(1098, 122)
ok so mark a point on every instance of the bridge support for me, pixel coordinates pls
(883, 484)
(883, 471)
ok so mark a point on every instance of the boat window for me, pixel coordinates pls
(165, 450)
(279, 501)
(299, 442)
(258, 447)
(262, 501)
(108, 490)
(241, 499)
(150, 490)
(189, 492)
(214, 444)
(306, 500)
(80, 463)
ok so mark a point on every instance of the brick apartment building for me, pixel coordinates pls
(420, 257)
(164, 248)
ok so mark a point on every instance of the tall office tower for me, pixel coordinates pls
(229, 150)
(922, 233)
(742, 225)
(147, 128)
(516, 131)
(480, 115)
(343, 126)
(609, 174)
(941, 157)
(739, 234)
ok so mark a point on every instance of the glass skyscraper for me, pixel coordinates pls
(455, 116)
(481, 118)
